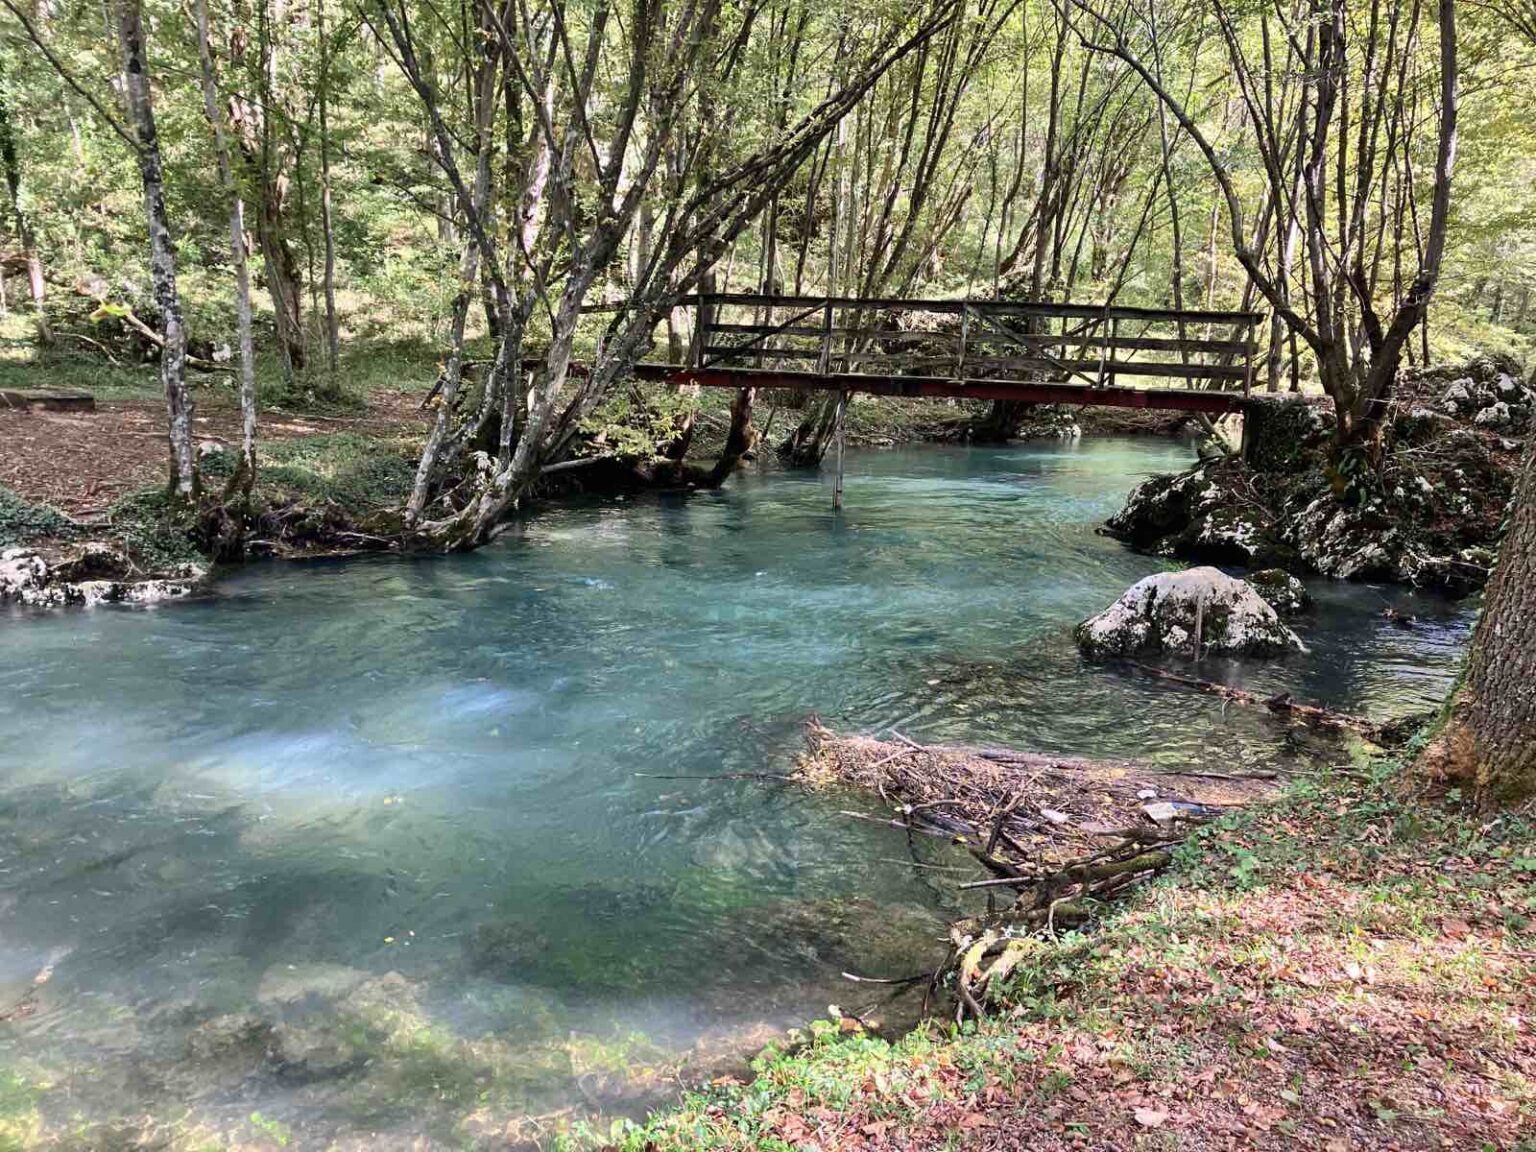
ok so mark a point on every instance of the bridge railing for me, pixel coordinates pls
(1091, 345)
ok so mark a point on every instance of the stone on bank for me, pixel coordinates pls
(97, 575)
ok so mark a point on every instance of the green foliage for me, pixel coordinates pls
(158, 532)
(23, 523)
(634, 426)
(359, 473)
(79, 187)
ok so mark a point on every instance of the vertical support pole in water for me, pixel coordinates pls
(837, 485)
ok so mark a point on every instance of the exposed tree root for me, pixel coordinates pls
(1061, 835)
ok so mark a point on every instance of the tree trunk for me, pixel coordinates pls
(739, 440)
(1489, 737)
(23, 225)
(245, 475)
(332, 325)
(162, 250)
(277, 255)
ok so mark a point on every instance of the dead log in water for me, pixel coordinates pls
(1283, 704)
(1060, 834)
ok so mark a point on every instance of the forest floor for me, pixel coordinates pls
(1344, 968)
(82, 462)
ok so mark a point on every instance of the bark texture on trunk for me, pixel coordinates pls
(162, 249)
(245, 476)
(1489, 738)
(24, 232)
(332, 324)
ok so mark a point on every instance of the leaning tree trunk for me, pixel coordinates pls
(1489, 737)
(162, 250)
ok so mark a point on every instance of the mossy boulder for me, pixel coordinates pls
(1283, 434)
(1205, 513)
(1176, 611)
(1280, 590)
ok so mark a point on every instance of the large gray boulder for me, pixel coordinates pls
(1163, 613)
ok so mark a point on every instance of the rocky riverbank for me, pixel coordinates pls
(94, 573)
(1428, 515)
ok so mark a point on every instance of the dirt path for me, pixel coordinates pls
(80, 462)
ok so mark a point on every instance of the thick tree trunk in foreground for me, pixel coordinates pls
(1489, 738)
(162, 249)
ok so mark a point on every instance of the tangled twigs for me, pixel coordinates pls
(1063, 834)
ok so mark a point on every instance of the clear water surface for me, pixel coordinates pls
(383, 846)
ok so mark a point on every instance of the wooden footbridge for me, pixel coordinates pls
(968, 349)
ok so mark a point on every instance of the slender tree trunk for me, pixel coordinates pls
(278, 259)
(332, 325)
(1489, 737)
(245, 475)
(23, 225)
(162, 249)
(453, 374)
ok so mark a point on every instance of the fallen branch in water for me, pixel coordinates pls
(1281, 703)
(778, 777)
(1062, 834)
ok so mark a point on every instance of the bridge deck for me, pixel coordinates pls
(986, 350)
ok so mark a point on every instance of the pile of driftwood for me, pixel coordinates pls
(1058, 835)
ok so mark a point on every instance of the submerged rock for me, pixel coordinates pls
(1280, 590)
(238, 1037)
(294, 983)
(505, 948)
(304, 1054)
(1164, 613)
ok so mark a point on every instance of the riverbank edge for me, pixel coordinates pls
(144, 551)
(1344, 967)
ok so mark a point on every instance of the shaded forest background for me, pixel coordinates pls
(1002, 158)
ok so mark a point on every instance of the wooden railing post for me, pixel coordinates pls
(1248, 347)
(824, 361)
(965, 331)
(701, 328)
(1114, 335)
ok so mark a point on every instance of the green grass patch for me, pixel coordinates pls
(158, 532)
(360, 474)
